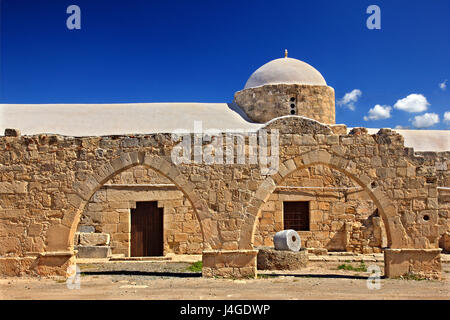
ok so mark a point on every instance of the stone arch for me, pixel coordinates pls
(293, 124)
(83, 191)
(396, 234)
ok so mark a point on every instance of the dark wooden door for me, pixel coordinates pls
(146, 230)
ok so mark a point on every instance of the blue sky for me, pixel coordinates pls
(204, 51)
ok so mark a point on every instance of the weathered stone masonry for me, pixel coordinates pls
(268, 102)
(46, 182)
(343, 218)
(109, 211)
(342, 215)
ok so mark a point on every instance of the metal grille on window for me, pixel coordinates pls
(296, 215)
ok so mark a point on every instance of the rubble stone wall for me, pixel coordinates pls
(437, 166)
(342, 216)
(262, 104)
(46, 181)
(341, 220)
(109, 211)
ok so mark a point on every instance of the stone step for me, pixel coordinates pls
(341, 253)
(93, 251)
(92, 239)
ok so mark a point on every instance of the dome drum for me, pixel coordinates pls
(262, 104)
(287, 86)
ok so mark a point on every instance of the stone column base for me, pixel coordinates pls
(422, 263)
(271, 259)
(229, 263)
(43, 264)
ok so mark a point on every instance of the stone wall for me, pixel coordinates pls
(262, 104)
(436, 168)
(341, 220)
(47, 181)
(444, 219)
(342, 216)
(420, 263)
(109, 211)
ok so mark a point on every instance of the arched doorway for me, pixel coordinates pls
(395, 233)
(138, 212)
(329, 210)
(85, 190)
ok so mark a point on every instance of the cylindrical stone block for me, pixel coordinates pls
(287, 240)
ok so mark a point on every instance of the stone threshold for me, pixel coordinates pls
(223, 251)
(140, 259)
(349, 258)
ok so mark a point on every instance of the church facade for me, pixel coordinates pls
(79, 180)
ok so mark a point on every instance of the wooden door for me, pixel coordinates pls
(146, 230)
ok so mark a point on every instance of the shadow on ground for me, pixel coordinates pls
(199, 275)
(143, 273)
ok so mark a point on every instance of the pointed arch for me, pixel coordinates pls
(396, 234)
(84, 190)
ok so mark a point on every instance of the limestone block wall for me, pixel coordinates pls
(444, 219)
(265, 103)
(49, 179)
(340, 220)
(109, 211)
(342, 216)
(443, 179)
(436, 167)
(343, 220)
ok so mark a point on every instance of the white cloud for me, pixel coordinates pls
(426, 120)
(447, 117)
(401, 127)
(443, 85)
(379, 112)
(412, 103)
(350, 99)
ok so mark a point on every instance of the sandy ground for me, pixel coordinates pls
(172, 280)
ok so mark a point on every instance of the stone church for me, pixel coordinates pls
(98, 180)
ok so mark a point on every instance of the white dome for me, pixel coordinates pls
(287, 71)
